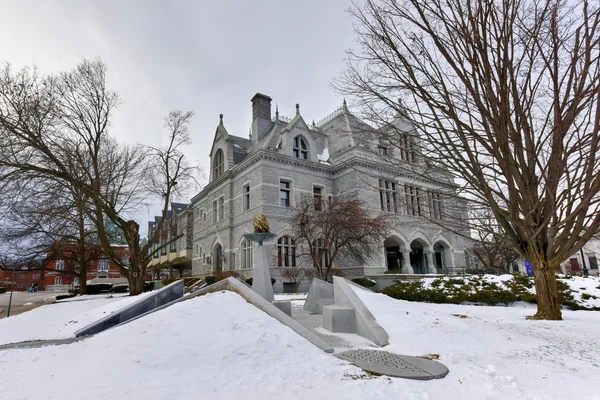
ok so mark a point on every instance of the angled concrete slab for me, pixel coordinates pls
(320, 294)
(142, 306)
(366, 324)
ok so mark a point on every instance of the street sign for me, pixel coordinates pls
(528, 267)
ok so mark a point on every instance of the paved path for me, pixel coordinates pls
(24, 301)
(314, 321)
(373, 361)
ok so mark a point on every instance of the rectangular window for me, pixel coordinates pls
(58, 280)
(214, 213)
(103, 265)
(221, 208)
(60, 265)
(593, 262)
(388, 198)
(318, 198)
(284, 193)
(163, 247)
(435, 205)
(173, 245)
(413, 202)
(246, 197)
(76, 281)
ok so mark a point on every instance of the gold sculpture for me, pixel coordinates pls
(260, 224)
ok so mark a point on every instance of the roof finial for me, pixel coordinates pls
(250, 132)
(221, 119)
(313, 124)
(276, 112)
(297, 109)
(344, 105)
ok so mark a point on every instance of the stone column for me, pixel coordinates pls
(408, 269)
(261, 277)
(430, 265)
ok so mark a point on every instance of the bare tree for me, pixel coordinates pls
(57, 127)
(505, 95)
(48, 220)
(338, 227)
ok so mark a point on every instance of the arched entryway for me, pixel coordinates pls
(417, 256)
(218, 258)
(393, 254)
(442, 256)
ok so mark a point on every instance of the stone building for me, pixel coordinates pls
(286, 158)
(172, 258)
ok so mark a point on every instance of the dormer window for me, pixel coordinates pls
(382, 150)
(218, 164)
(299, 148)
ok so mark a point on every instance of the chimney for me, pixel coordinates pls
(261, 116)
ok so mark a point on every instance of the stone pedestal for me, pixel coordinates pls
(340, 319)
(407, 268)
(261, 278)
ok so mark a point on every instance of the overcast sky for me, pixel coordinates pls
(210, 57)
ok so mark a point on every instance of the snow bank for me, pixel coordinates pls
(220, 347)
(60, 320)
(494, 352)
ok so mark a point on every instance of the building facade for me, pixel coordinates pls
(287, 158)
(172, 249)
(61, 268)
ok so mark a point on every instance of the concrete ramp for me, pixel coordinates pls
(145, 304)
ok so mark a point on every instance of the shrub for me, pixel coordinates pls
(210, 280)
(364, 282)
(250, 280)
(2, 290)
(65, 296)
(148, 286)
(98, 288)
(120, 289)
(586, 296)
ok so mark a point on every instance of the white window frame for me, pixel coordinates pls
(58, 280)
(60, 265)
(246, 196)
(247, 254)
(101, 267)
(290, 191)
(221, 208)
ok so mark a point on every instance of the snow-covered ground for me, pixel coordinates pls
(62, 319)
(221, 347)
(495, 352)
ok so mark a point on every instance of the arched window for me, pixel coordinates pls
(286, 252)
(218, 164)
(247, 253)
(299, 148)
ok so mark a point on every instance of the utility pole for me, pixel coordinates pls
(12, 287)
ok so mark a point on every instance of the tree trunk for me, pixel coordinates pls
(548, 305)
(136, 283)
(82, 285)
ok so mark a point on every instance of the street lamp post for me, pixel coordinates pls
(12, 287)
(585, 270)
